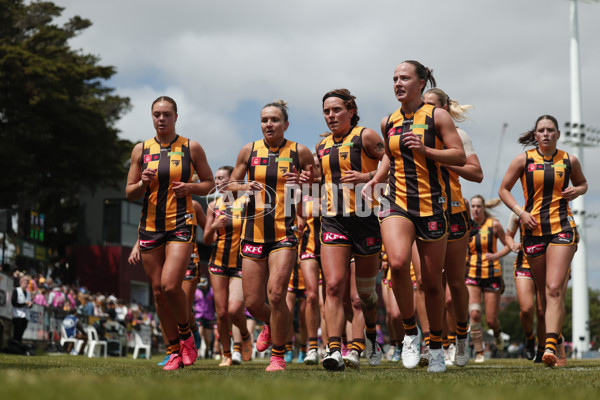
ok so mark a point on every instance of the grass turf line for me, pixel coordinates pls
(57, 377)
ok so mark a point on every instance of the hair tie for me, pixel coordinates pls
(339, 96)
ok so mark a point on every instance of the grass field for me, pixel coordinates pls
(79, 378)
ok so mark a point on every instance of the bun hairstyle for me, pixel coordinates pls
(349, 102)
(455, 109)
(528, 138)
(167, 99)
(281, 105)
(487, 204)
(422, 72)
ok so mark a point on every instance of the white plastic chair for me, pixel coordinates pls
(77, 343)
(94, 341)
(140, 345)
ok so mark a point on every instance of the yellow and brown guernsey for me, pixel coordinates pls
(296, 279)
(162, 211)
(481, 242)
(310, 242)
(226, 253)
(271, 213)
(416, 184)
(543, 179)
(338, 155)
(453, 191)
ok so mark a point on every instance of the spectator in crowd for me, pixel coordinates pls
(56, 298)
(204, 312)
(21, 303)
(120, 311)
(87, 305)
(40, 297)
(74, 329)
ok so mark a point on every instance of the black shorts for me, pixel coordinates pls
(460, 226)
(300, 293)
(429, 229)
(153, 240)
(261, 251)
(535, 246)
(226, 272)
(361, 233)
(192, 272)
(494, 285)
(206, 323)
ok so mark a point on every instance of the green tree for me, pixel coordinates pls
(57, 118)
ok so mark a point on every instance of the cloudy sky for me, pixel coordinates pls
(223, 60)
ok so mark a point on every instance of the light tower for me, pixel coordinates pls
(576, 137)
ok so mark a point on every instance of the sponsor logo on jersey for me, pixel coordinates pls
(249, 249)
(260, 161)
(151, 157)
(331, 236)
(535, 167)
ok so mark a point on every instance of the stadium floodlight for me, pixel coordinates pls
(576, 137)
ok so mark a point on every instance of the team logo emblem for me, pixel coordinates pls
(283, 169)
(559, 173)
(344, 155)
(175, 163)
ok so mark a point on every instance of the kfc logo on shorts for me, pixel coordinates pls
(470, 281)
(456, 228)
(330, 237)
(384, 213)
(147, 243)
(535, 249)
(307, 256)
(249, 249)
(214, 270)
(182, 235)
(188, 273)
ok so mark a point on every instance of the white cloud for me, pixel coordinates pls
(509, 59)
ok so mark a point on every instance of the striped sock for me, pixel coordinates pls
(358, 345)
(410, 326)
(427, 337)
(184, 330)
(462, 328)
(245, 336)
(288, 346)
(237, 346)
(371, 332)
(551, 342)
(313, 343)
(435, 340)
(335, 343)
(174, 346)
(278, 351)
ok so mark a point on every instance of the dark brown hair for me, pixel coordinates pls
(422, 72)
(528, 138)
(349, 102)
